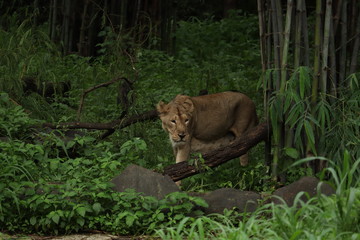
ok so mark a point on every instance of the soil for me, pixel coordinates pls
(89, 236)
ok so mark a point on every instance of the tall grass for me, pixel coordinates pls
(321, 217)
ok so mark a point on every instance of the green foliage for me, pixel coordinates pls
(56, 195)
(24, 52)
(294, 103)
(14, 122)
(44, 190)
(254, 177)
(204, 46)
(343, 132)
(327, 129)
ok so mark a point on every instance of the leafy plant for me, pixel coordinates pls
(14, 122)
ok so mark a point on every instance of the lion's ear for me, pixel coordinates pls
(189, 105)
(161, 108)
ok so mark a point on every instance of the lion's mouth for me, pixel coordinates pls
(178, 142)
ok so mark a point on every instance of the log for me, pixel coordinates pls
(217, 157)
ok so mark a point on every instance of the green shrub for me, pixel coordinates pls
(14, 122)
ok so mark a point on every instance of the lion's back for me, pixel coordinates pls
(217, 113)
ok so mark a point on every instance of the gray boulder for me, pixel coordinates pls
(228, 198)
(305, 184)
(145, 181)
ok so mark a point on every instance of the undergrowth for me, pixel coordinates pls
(53, 184)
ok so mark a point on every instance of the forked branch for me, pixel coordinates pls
(92, 89)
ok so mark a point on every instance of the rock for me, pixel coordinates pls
(228, 198)
(305, 184)
(145, 181)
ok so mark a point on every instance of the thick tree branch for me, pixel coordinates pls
(219, 156)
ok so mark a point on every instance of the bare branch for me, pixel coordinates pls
(92, 89)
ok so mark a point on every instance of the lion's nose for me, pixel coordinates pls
(181, 135)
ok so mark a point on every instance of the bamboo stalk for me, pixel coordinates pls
(343, 43)
(262, 34)
(286, 46)
(288, 134)
(333, 67)
(337, 16)
(276, 42)
(53, 21)
(277, 64)
(65, 33)
(173, 27)
(317, 72)
(352, 22)
(123, 14)
(305, 35)
(355, 47)
(325, 67)
(279, 19)
(317, 42)
(264, 64)
(298, 30)
(36, 12)
(82, 46)
(269, 40)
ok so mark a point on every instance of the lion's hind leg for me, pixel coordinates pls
(238, 130)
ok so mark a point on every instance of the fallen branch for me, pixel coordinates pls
(117, 124)
(219, 156)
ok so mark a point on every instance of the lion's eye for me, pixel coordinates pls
(173, 121)
(186, 120)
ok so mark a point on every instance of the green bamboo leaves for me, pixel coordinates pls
(306, 65)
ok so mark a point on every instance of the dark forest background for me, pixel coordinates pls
(81, 25)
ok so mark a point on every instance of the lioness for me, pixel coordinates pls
(204, 123)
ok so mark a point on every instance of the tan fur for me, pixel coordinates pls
(204, 123)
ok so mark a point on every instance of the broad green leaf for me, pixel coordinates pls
(81, 211)
(296, 234)
(56, 218)
(160, 216)
(302, 80)
(80, 221)
(33, 220)
(309, 132)
(200, 202)
(297, 135)
(179, 216)
(70, 144)
(288, 101)
(130, 220)
(54, 164)
(96, 207)
(292, 152)
(293, 116)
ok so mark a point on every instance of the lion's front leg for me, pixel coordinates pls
(182, 153)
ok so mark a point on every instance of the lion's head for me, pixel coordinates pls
(176, 117)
